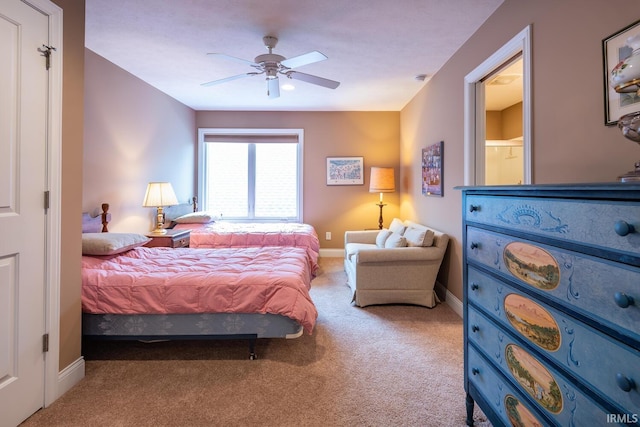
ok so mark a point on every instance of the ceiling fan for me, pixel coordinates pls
(271, 64)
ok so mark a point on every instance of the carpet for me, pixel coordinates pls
(391, 365)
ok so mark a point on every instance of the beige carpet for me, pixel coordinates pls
(393, 365)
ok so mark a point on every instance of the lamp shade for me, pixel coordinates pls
(159, 194)
(382, 180)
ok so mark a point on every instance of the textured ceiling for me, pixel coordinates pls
(375, 48)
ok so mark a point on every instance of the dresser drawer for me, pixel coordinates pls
(590, 222)
(505, 400)
(588, 286)
(592, 358)
(549, 391)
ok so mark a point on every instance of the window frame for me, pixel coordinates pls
(257, 133)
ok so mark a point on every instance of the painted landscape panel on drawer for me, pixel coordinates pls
(589, 286)
(506, 402)
(546, 389)
(599, 224)
(589, 356)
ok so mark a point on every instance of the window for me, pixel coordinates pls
(251, 174)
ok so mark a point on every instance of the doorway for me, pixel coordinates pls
(498, 117)
(503, 154)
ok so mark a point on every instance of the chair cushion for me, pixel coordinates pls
(395, 240)
(419, 236)
(383, 235)
(397, 226)
(352, 248)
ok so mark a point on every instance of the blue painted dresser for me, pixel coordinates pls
(552, 304)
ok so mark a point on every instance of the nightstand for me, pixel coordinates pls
(173, 239)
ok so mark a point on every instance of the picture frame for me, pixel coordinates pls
(432, 169)
(345, 170)
(614, 51)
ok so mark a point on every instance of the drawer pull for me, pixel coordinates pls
(623, 300)
(623, 228)
(474, 245)
(625, 384)
(475, 328)
(474, 287)
(474, 208)
(475, 371)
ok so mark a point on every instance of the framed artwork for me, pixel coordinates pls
(345, 170)
(616, 49)
(432, 173)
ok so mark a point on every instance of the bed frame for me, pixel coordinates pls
(199, 326)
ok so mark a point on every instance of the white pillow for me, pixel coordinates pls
(111, 243)
(395, 240)
(382, 237)
(419, 236)
(397, 226)
(194, 218)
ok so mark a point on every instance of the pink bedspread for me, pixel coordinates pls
(241, 235)
(144, 280)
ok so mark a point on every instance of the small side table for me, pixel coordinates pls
(173, 239)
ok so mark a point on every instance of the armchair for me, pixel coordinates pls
(386, 275)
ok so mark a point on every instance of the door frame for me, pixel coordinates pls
(474, 110)
(53, 217)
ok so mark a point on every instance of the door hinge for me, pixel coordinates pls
(46, 200)
(45, 343)
(46, 52)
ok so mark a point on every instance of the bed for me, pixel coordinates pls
(130, 291)
(206, 232)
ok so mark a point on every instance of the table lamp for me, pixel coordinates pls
(159, 194)
(381, 181)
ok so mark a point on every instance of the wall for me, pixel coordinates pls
(373, 135)
(570, 142)
(71, 182)
(133, 134)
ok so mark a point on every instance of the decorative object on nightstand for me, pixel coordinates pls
(159, 195)
(382, 181)
(170, 239)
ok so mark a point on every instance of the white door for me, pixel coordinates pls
(23, 151)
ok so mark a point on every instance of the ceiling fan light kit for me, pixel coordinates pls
(271, 64)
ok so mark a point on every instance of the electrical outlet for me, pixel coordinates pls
(327, 235)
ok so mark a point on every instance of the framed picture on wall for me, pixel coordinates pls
(345, 170)
(615, 49)
(432, 173)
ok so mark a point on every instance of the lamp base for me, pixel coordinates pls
(159, 231)
(631, 176)
(380, 221)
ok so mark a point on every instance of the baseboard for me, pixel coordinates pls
(332, 253)
(70, 376)
(454, 303)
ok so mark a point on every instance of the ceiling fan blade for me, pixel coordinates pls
(304, 59)
(273, 88)
(233, 58)
(228, 79)
(320, 81)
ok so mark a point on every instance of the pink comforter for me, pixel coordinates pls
(272, 280)
(241, 235)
